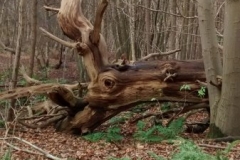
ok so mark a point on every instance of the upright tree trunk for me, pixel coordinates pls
(229, 109)
(132, 29)
(16, 59)
(173, 34)
(147, 26)
(184, 35)
(33, 36)
(211, 56)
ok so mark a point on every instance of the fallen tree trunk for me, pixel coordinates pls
(115, 88)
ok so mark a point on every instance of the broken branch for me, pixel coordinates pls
(7, 48)
(53, 37)
(45, 153)
(51, 9)
(159, 54)
(95, 36)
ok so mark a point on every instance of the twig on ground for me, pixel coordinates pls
(146, 116)
(35, 117)
(187, 109)
(44, 124)
(119, 147)
(227, 139)
(23, 150)
(215, 146)
(45, 153)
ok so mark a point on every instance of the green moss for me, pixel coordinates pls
(215, 132)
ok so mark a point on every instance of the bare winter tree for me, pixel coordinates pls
(16, 58)
(33, 36)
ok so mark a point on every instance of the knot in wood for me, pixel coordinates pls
(108, 83)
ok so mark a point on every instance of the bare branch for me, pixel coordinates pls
(95, 36)
(219, 34)
(33, 90)
(65, 43)
(177, 15)
(220, 47)
(202, 83)
(45, 153)
(7, 48)
(35, 117)
(183, 15)
(216, 147)
(21, 150)
(159, 54)
(30, 80)
(45, 123)
(51, 9)
(219, 9)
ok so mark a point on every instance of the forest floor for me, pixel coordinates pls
(70, 146)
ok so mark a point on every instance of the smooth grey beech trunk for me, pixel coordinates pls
(228, 114)
(211, 56)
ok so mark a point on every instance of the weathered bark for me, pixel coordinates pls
(211, 56)
(115, 88)
(229, 110)
(173, 34)
(77, 27)
(147, 27)
(16, 63)
(33, 36)
(132, 29)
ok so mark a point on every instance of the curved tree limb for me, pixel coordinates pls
(159, 54)
(29, 80)
(7, 48)
(65, 43)
(95, 35)
(51, 9)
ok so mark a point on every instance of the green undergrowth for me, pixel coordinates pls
(111, 135)
(187, 150)
(7, 155)
(158, 133)
(2, 123)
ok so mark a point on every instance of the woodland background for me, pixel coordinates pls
(132, 28)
